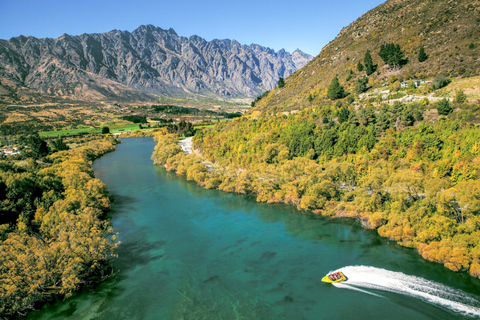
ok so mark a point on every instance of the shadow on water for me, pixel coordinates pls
(124, 200)
(134, 254)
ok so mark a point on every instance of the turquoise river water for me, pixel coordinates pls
(192, 253)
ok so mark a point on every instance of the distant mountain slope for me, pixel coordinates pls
(448, 30)
(124, 66)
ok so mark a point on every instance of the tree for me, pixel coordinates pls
(281, 82)
(59, 145)
(369, 66)
(38, 147)
(335, 90)
(422, 56)
(391, 54)
(460, 97)
(360, 66)
(361, 85)
(439, 82)
(444, 107)
(105, 130)
(343, 115)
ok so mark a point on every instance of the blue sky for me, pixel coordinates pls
(305, 24)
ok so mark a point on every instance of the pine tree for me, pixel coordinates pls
(360, 66)
(369, 66)
(343, 115)
(361, 85)
(422, 56)
(391, 54)
(444, 107)
(335, 90)
(281, 82)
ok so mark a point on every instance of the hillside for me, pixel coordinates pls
(448, 30)
(397, 161)
(138, 66)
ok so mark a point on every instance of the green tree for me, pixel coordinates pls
(335, 90)
(59, 145)
(444, 107)
(281, 82)
(370, 68)
(38, 147)
(359, 66)
(343, 115)
(391, 54)
(439, 82)
(361, 85)
(422, 56)
(105, 130)
(460, 97)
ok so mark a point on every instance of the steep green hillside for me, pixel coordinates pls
(449, 31)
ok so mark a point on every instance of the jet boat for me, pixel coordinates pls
(334, 277)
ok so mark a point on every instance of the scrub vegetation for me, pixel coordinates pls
(401, 169)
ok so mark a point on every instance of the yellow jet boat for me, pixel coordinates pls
(335, 277)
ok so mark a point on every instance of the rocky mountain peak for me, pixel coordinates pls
(148, 62)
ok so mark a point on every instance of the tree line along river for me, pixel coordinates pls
(192, 253)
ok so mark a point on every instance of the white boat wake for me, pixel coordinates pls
(363, 277)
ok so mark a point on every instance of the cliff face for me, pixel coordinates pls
(124, 66)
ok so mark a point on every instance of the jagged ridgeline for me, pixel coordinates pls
(139, 65)
(448, 31)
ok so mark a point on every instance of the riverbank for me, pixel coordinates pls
(334, 190)
(62, 239)
(192, 253)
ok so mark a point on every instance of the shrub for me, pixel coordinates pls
(444, 107)
(460, 97)
(360, 66)
(439, 82)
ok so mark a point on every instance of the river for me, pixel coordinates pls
(192, 253)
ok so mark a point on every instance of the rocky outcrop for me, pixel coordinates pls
(138, 65)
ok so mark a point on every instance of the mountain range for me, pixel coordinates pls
(141, 65)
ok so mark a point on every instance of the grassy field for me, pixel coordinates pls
(470, 86)
(114, 127)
